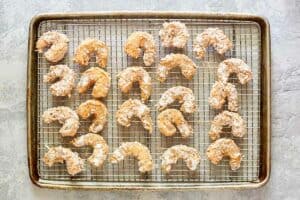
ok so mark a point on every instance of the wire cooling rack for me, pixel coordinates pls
(246, 39)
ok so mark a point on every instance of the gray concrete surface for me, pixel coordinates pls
(284, 17)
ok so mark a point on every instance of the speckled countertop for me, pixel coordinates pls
(284, 17)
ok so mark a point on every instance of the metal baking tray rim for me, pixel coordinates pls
(265, 156)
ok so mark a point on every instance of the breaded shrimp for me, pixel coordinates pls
(237, 66)
(96, 77)
(169, 119)
(174, 34)
(135, 74)
(190, 156)
(64, 115)
(141, 40)
(60, 154)
(214, 37)
(136, 149)
(184, 95)
(218, 94)
(96, 109)
(131, 108)
(187, 66)
(87, 48)
(64, 79)
(57, 44)
(99, 145)
(225, 147)
(226, 118)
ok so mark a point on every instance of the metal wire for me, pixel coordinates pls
(246, 39)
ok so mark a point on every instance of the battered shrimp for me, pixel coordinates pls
(64, 79)
(64, 115)
(174, 34)
(57, 44)
(100, 146)
(60, 154)
(190, 156)
(214, 37)
(169, 119)
(225, 147)
(87, 48)
(184, 95)
(99, 112)
(135, 74)
(237, 66)
(96, 77)
(218, 94)
(136, 149)
(227, 118)
(187, 66)
(131, 108)
(138, 40)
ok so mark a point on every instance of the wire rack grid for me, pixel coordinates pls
(114, 32)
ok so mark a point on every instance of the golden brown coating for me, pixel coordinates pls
(134, 108)
(64, 115)
(225, 147)
(96, 77)
(96, 109)
(141, 40)
(227, 118)
(131, 75)
(187, 66)
(184, 96)
(222, 91)
(214, 37)
(87, 48)
(63, 79)
(136, 149)
(60, 154)
(174, 34)
(169, 119)
(189, 155)
(56, 43)
(99, 145)
(237, 66)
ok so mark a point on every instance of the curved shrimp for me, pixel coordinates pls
(135, 74)
(214, 37)
(169, 119)
(138, 40)
(174, 34)
(134, 107)
(99, 145)
(87, 48)
(225, 147)
(237, 66)
(96, 77)
(60, 154)
(190, 156)
(136, 149)
(64, 79)
(57, 44)
(187, 66)
(64, 115)
(184, 95)
(218, 94)
(226, 118)
(99, 112)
